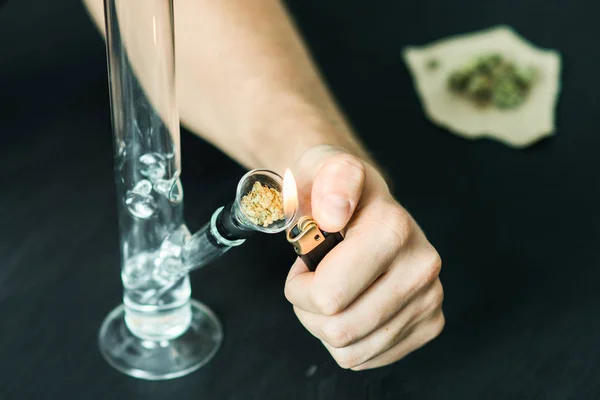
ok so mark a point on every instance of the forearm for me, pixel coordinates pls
(246, 83)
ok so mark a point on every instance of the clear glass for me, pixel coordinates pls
(158, 332)
(199, 250)
(266, 178)
(208, 244)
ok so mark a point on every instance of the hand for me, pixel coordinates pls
(376, 296)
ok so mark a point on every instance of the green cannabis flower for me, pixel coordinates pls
(491, 80)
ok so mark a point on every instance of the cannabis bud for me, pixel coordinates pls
(263, 205)
(490, 79)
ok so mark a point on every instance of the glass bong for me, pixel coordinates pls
(159, 332)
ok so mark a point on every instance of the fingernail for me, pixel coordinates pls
(334, 211)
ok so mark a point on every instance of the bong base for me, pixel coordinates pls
(166, 359)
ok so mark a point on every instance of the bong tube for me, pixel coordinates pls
(157, 250)
(147, 165)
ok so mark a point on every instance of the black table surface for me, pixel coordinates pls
(518, 230)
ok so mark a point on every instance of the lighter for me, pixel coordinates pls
(310, 242)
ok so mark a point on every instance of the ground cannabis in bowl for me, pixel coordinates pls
(492, 80)
(263, 205)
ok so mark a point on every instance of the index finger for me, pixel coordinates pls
(343, 275)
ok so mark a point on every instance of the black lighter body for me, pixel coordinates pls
(311, 243)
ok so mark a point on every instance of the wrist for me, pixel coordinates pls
(286, 134)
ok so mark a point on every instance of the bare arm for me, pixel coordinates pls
(245, 79)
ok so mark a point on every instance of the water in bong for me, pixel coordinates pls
(156, 294)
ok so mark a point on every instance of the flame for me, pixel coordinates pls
(290, 195)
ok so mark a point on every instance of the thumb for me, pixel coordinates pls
(336, 190)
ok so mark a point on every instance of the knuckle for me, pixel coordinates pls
(348, 161)
(327, 303)
(399, 224)
(431, 330)
(436, 296)
(336, 334)
(438, 326)
(431, 264)
(434, 327)
(431, 304)
(343, 171)
(347, 358)
(287, 294)
(436, 261)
